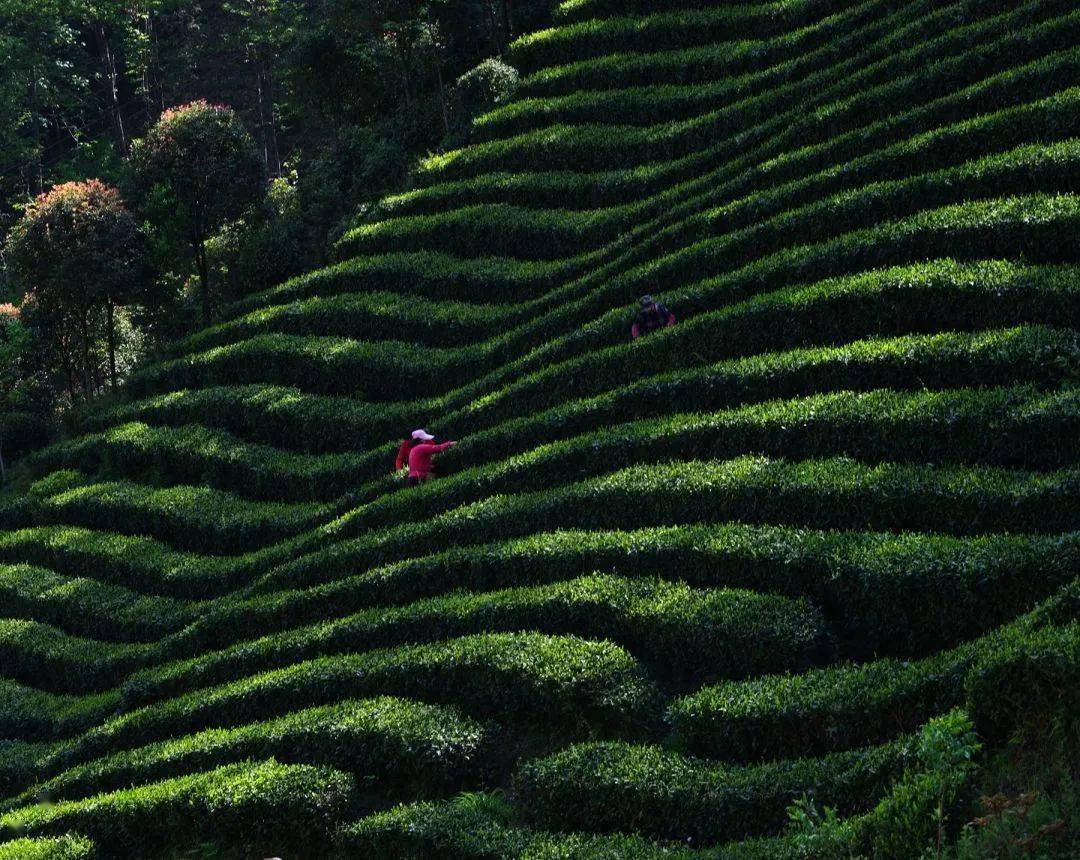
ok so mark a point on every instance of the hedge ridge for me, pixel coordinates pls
(827, 493)
(645, 789)
(852, 575)
(670, 584)
(845, 706)
(399, 747)
(680, 633)
(291, 419)
(264, 805)
(574, 686)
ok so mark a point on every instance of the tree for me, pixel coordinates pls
(78, 255)
(207, 161)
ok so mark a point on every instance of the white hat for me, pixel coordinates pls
(422, 435)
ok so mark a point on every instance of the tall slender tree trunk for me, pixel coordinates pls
(204, 277)
(275, 148)
(84, 331)
(110, 311)
(267, 127)
(508, 23)
(493, 29)
(111, 77)
(198, 244)
(64, 355)
(442, 96)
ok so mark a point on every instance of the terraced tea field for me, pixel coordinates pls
(664, 588)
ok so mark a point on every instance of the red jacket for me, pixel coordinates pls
(420, 458)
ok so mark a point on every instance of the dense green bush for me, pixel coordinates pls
(604, 35)
(52, 660)
(86, 607)
(682, 634)
(827, 493)
(188, 518)
(836, 36)
(549, 234)
(1036, 69)
(266, 806)
(36, 715)
(1039, 226)
(475, 827)
(904, 594)
(687, 636)
(130, 562)
(943, 427)
(480, 89)
(57, 848)
(563, 685)
(196, 455)
(844, 706)
(291, 419)
(854, 56)
(646, 789)
(392, 748)
(1030, 681)
(365, 316)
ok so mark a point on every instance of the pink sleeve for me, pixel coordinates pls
(443, 446)
(634, 330)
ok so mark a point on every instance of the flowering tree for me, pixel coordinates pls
(204, 157)
(78, 255)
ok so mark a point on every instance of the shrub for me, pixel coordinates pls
(839, 707)
(562, 685)
(262, 807)
(58, 848)
(682, 634)
(647, 790)
(1030, 679)
(489, 84)
(477, 827)
(394, 747)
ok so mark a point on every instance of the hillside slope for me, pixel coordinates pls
(665, 587)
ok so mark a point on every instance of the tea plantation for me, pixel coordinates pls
(663, 589)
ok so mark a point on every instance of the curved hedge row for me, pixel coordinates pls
(85, 607)
(574, 686)
(681, 634)
(1038, 226)
(265, 806)
(845, 706)
(883, 592)
(393, 747)
(186, 517)
(1038, 67)
(133, 563)
(645, 789)
(942, 426)
(828, 493)
(289, 418)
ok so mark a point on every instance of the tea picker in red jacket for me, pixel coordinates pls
(416, 452)
(651, 316)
